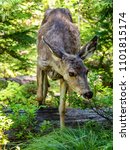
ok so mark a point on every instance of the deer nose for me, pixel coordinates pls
(88, 95)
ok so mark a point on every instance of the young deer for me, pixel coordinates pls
(60, 57)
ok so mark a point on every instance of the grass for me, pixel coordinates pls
(91, 136)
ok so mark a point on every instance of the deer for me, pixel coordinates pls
(61, 58)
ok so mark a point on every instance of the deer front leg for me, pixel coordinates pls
(63, 91)
(42, 85)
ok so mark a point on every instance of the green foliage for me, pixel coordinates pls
(45, 126)
(20, 99)
(3, 84)
(18, 36)
(18, 94)
(75, 101)
(102, 94)
(92, 136)
(5, 124)
(24, 123)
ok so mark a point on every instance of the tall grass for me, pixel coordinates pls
(89, 137)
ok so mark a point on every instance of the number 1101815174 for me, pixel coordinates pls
(122, 41)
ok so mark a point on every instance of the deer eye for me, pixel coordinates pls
(72, 74)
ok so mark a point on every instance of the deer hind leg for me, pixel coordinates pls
(45, 86)
(63, 91)
(42, 86)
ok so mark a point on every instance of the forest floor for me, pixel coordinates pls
(72, 117)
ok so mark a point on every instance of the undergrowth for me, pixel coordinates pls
(92, 136)
(20, 101)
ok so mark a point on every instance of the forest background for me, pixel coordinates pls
(19, 23)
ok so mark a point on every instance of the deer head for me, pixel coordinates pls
(72, 67)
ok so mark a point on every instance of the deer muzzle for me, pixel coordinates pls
(88, 95)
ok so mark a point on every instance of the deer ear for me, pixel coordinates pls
(58, 53)
(88, 49)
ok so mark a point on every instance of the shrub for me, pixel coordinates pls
(5, 124)
(20, 100)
